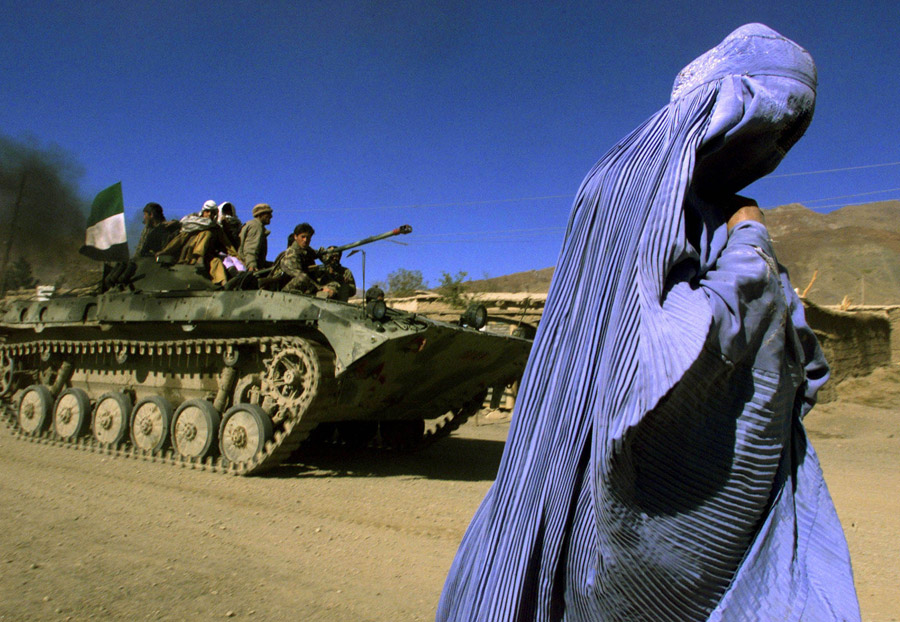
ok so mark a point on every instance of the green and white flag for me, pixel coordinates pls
(105, 239)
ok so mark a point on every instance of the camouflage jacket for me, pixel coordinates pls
(325, 274)
(297, 261)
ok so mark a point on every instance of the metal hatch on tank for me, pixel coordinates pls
(167, 366)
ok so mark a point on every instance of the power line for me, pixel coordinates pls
(507, 240)
(570, 196)
(492, 239)
(433, 205)
(520, 234)
(843, 196)
(822, 207)
(849, 196)
(530, 230)
(833, 170)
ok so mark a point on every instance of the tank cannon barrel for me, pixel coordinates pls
(401, 230)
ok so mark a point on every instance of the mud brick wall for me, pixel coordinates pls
(855, 343)
(893, 315)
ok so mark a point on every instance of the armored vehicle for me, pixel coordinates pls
(164, 365)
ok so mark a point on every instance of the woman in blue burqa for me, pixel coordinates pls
(657, 467)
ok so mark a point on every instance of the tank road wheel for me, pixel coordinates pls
(292, 379)
(34, 409)
(71, 414)
(111, 413)
(150, 422)
(245, 430)
(7, 374)
(195, 429)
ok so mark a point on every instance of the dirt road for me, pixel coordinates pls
(341, 537)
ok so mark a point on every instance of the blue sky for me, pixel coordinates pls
(474, 122)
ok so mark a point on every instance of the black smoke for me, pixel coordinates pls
(42, 214)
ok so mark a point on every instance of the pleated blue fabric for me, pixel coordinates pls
(656, 467)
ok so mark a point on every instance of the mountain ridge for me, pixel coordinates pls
(853, 251)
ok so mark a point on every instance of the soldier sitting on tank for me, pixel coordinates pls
(191, 224)
(157, 231)
(273, 278)
(201, 241)
(230, 223)
(334, 280)
(253, 246)
(374, 293)
(298, 261)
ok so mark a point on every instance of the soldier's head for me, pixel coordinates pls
(331, 257)
(210, 209)
(374, 293)
(303, 234)
(226, 208)
(263, 213)
(153, 214)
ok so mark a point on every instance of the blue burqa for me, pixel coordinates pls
(657, 467)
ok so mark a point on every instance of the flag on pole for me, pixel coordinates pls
(105, 239)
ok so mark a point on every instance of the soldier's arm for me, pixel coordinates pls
(174, 245)
(351, 282)
(142, 243)
(291, 264)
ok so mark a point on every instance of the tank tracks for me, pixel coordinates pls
(276, 396)
(409, 438)
(450, 423)
(289, 433)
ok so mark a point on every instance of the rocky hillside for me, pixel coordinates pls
(856, 251)
(532, 281)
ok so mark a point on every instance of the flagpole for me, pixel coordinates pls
(12, 233)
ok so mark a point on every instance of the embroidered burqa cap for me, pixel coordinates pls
(656, 467)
